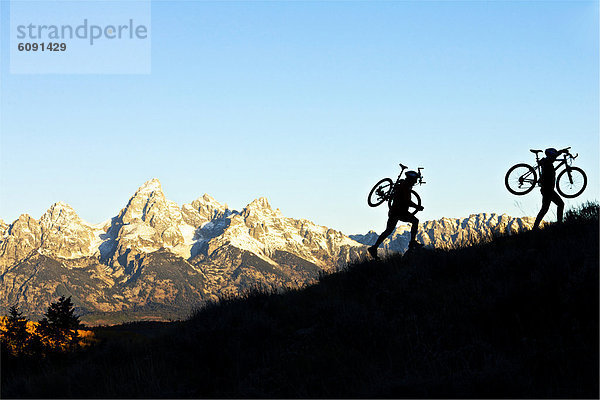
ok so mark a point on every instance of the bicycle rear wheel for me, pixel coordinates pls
(571, 182)
(520, 179)
(380, 192)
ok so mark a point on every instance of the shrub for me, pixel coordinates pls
(586, 212)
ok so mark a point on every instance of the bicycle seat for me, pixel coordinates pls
(535, 151)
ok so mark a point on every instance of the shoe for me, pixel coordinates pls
(373, 252)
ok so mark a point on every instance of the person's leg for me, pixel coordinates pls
(391, 225)
(414, 227)
(560, 206)
(545, 206)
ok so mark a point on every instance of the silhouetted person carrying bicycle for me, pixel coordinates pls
(547, 182)
(399, 212)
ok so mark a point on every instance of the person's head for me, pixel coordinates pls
(411, 177)
(551, 152)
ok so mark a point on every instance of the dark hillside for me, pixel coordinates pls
(516, 317)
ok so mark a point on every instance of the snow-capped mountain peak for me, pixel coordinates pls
(260, 208)
(260, 203)
(150, 205)
(59, 214)
(206, 208)
(149, 187)
(207, 199)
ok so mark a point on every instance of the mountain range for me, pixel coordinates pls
(157, 260)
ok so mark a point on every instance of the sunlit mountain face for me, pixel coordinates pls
(158, 260)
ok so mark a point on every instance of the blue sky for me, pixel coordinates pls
(309, 104)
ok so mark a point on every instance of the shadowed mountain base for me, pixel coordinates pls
(516, 317)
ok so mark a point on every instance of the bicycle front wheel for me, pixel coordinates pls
(571, 182)
(415, 198)
(520, 179)
(380, 192)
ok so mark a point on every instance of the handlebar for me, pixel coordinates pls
(421, 181)
(566, 150)
(568, 154)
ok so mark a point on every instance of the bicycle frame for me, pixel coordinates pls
(385, 189)
(570, 181)
(420, 181)
(564, 161)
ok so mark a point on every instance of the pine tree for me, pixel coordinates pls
(60, 324)
(16, 331)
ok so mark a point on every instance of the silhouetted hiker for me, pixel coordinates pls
(399, 212)
(547, 182)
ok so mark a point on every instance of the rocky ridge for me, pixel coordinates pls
(449, 233)
(156, 260)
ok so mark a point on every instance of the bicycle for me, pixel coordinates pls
(522, 178)
(384, 190)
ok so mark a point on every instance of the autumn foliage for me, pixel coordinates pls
(60, 330)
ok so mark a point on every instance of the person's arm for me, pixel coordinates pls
(420, 208)
(412, 204)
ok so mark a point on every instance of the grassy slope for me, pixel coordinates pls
(517, 317)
